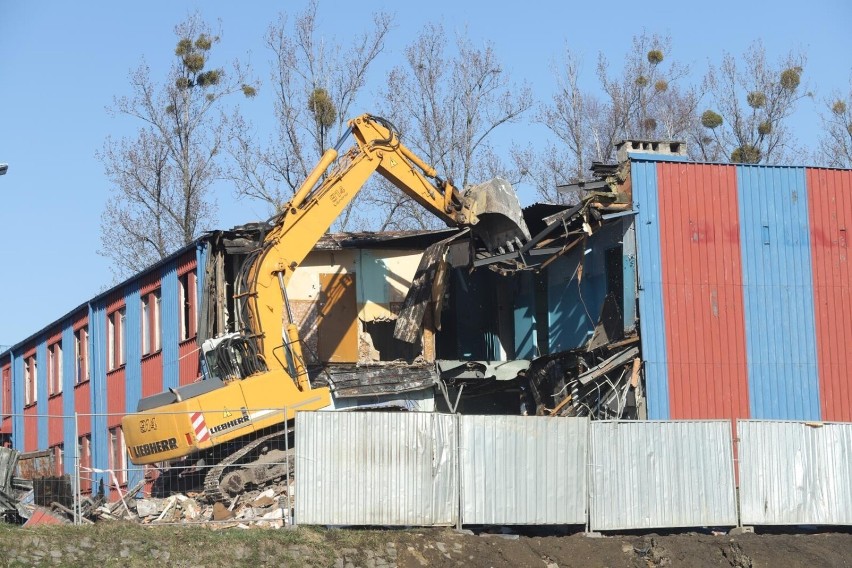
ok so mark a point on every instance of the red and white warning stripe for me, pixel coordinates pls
(200, 427)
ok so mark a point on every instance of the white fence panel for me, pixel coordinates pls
(660, 474)
(376, 468)
(795, 473)
(523, 470)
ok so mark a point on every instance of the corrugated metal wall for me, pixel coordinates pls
(41, 389)
(793, 473)
(778, 290)
(170, 322)
(69, 363)
(661, 474)
(17, 400)
(389, 468)
(652, 321)
(702, 291)
(745, 295)
(523, 470)
(830, 215)
(98, 390)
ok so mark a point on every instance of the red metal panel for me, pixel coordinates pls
(115, 301)
(186, 263)
(54, 421)
(31, 428)
(55, 336)
(830, 217)
(152, 374)
(116, 395)
(188, 371)
(6, 393)
(83, 406)
(702, 291)
(6, 426)
(149, 282)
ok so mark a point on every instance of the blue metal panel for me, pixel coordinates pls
(779, 295)
(628, 240)
(524, 314)
(575, 296)
(169, 320)
(133, 347)
(652, 320)
(97, 369)
(17, 401)
(133, 368)
(371, 279)
(41, 393)
(69, 364)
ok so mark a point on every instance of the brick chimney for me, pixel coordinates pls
(663, 148)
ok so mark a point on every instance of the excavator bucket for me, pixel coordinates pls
(495, 216)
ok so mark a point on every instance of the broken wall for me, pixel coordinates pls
(346, 302)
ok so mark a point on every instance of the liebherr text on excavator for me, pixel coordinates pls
(220, 419)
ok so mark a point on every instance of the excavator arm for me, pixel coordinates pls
(320, 200)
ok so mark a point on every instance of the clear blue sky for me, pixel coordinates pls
(62, 62)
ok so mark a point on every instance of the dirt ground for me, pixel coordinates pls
(129, 545)
(692, 550)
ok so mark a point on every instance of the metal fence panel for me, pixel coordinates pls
(660, 474)
(523, 470)
(794, 473)
(376, 468)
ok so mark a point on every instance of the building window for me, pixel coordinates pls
(84, 455)
(151, 322)
(30, 380)
(146, 326)
(118, 454)
(155, 322)
(81, 355)
(54, 368)
(115, 338)
(187, 304)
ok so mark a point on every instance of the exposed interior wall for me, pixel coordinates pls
(577, 284)
(381, 279)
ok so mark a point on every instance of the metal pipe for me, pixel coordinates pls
(286, 299)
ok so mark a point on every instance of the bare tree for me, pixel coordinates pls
(447, 104)
(750, 105)
(160, 195)
(644, 101)
(835, 143)
(315, 84)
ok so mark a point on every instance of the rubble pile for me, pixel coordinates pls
(50, 501)
(264, 509)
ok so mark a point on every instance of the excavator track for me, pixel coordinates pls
(213, 489)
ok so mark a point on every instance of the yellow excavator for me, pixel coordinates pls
(257, 379)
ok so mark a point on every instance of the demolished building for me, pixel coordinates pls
(671, 289)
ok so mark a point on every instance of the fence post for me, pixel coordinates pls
(458, 472)
(289, 519)
(78, 513)
(588, 459)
